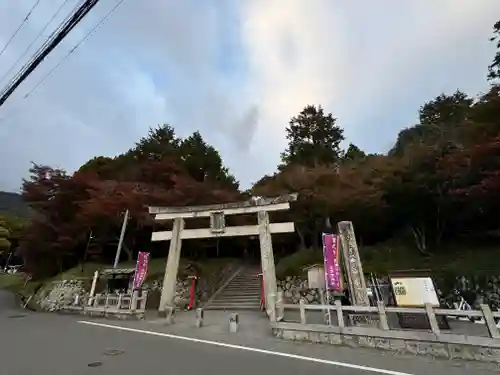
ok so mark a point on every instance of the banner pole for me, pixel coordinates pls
(327, 290)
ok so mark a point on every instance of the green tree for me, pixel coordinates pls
(160, 142)
(14, 224)
(441, 122)
(418, 196)
(4, 239)
(446, 110)
(494, 68)
(204, 163)
(354, 153)
(313, 139)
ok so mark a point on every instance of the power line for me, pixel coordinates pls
(49, 46)
(57, 31)
(19, 28)
(48, 40)
(88, 35)
(34, 40)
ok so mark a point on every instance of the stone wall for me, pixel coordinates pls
(154, 288)
(475, 289)
(294, 288)
(416, 343)
(56, 295)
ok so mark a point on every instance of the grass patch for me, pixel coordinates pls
(17, 284)
(11, 282)
(156, 268)
(293, 265)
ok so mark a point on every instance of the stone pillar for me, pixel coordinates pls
(92, 288)
(267, 261)
(170, 278)
(352, 262)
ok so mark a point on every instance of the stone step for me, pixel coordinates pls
(244, 285)
(251, 286)
(241, 291)
(241, 298)
(238, 306)
(238, 298)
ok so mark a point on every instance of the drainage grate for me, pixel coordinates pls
(94, 364)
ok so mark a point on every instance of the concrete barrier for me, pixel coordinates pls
(199, 317)
(234, 322)
(443, 345)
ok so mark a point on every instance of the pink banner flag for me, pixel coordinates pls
(141, 269)
(331, 257)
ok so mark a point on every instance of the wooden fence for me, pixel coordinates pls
(381, 311)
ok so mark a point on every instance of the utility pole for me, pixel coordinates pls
(120, 242)
(86, 250)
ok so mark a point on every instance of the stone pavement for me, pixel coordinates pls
(47, 343)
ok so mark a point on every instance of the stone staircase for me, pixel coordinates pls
(243, 292)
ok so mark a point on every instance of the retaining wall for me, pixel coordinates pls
(448, 346)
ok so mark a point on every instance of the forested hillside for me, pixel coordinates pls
(438, 186)
(13, 203)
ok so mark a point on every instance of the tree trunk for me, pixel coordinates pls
(128, 252)
(301, 237)
(420, 239)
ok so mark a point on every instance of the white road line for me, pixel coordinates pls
(246, 348)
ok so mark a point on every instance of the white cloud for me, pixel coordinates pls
(237, 71)
(355, 57)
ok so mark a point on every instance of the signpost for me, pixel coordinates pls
(415, 288)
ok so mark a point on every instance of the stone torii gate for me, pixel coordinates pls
(218, 229)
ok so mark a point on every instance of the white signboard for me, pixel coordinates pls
(414, 291)
(316, 278)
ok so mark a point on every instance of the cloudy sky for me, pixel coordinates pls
(236, 70)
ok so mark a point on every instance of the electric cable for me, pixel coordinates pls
(88, 35)
(45, 44)
(34, 40)
(27, 69)
(19, 27)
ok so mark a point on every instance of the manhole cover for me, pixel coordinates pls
(17, 316)
(113, 352)
(94, 364)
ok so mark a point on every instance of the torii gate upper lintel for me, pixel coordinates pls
(259, 205)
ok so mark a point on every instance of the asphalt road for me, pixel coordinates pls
(51, 344)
